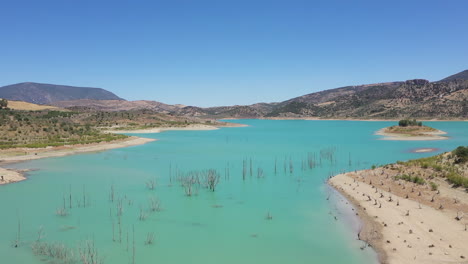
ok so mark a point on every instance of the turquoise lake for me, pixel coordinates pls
(269, 216)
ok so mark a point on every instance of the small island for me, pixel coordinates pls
(411, 130)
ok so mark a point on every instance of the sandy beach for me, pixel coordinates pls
(416, 229)
(435, 135)
(25, 154)
(161, 129)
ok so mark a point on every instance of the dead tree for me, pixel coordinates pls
(17, 242)
(154, 204)
(275, 164)
(149, 238)
(291, 166)
(133, 251)
(259, 173)
(151, 184)
(89, 254)
(70, 198)
(244, 169)
(142, 216)
(212, 179)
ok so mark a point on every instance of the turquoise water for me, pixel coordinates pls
(229, 225)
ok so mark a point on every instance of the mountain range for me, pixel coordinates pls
(419, 98)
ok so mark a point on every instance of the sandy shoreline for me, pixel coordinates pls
(424, 150)
(10, 176)
(162, 129)
(348, 119)
(404, 230)
(25, 154)
(435, 135)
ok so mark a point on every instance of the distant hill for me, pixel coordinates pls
(40, 93)
(413, 98)
(118, 105)
(258, 110)
(418, 98)
(446, 99)
(459, 76)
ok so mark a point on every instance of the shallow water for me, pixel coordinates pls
(228, 225)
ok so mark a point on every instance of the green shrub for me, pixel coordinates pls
(437, 167)
(457, 180)
(461, 154)
(434, 186)
(407, 122)
(408, 178)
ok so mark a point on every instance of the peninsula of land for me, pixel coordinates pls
(13, 155)
(413, 212)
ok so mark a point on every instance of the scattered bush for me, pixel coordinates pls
(3, 104)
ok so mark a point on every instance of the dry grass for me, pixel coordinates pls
(20, 105)
(410, 130)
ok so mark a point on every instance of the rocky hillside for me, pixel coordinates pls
(40, 93)
(413, 98)
(445, 99)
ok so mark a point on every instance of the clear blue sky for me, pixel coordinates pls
(224, 52)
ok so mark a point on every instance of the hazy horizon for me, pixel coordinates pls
(213, 53)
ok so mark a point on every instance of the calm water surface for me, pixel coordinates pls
(229, 225)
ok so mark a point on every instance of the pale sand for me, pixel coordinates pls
(25, 154)
(162, 129)
(10, 176)
(424, 150)
(435, 135)
(390, 226)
